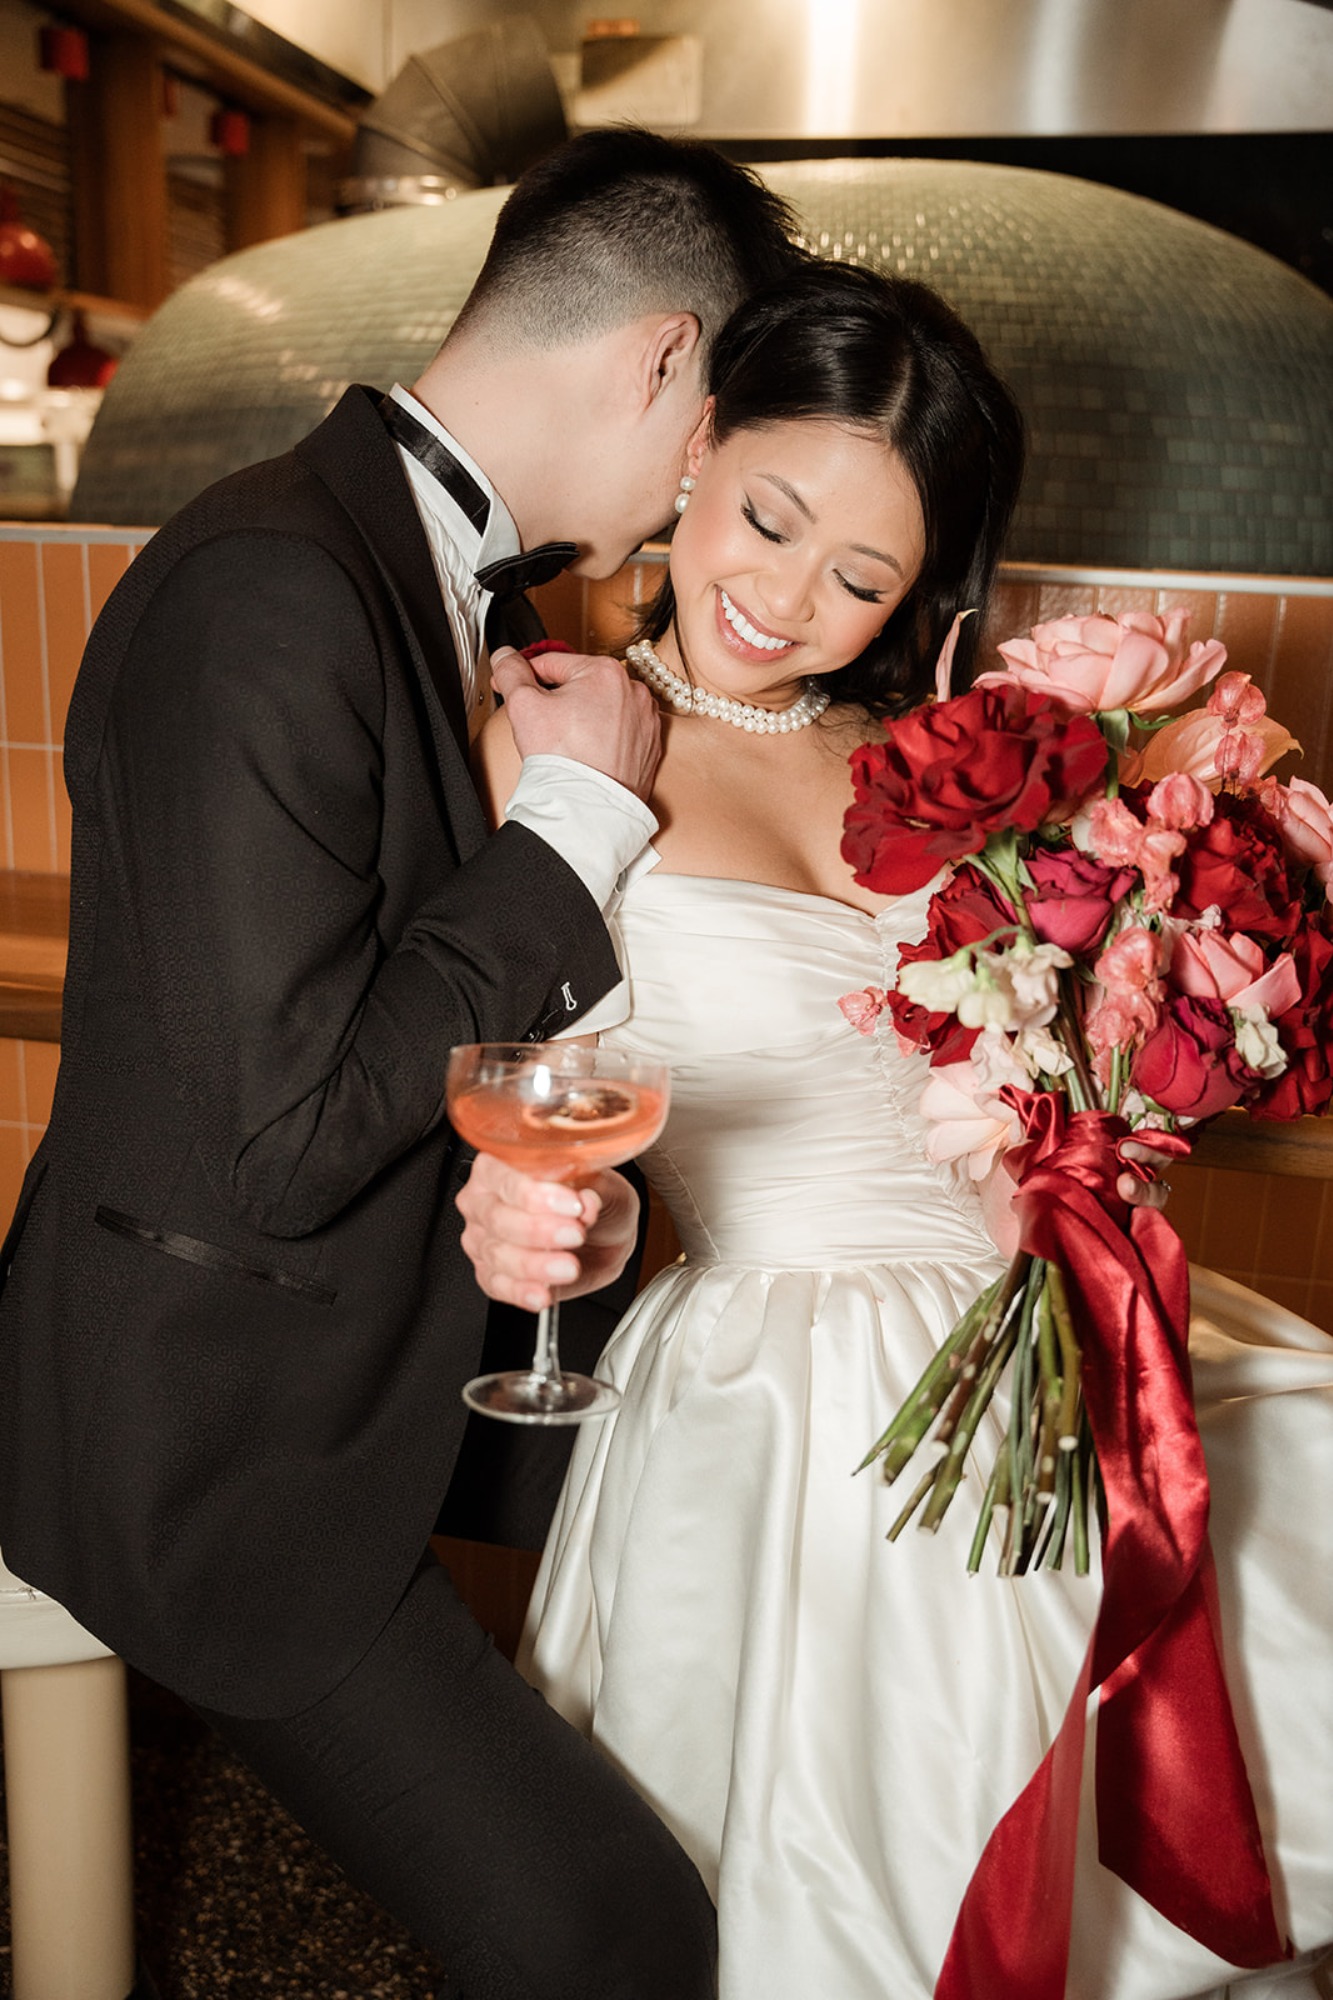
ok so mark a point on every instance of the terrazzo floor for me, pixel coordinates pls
(234, 1903)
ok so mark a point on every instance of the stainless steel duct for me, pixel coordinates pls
(907, 69)
(468, 114)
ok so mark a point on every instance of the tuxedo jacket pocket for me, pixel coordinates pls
(211, 1256)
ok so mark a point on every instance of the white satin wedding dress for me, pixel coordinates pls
(833, 1725)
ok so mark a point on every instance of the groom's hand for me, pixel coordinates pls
(582, 706)
(531, 1240)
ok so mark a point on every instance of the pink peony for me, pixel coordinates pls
(1089, 665)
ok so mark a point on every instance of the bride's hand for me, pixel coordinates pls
(529, 1240)
(1144, 1194)
(997, 1193)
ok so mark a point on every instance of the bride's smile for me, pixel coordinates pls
(798, 541)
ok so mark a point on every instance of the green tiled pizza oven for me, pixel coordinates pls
(1176, 382)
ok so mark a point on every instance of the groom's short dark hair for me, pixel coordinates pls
(619, 223)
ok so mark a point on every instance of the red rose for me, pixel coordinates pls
(1075, 897)
(1188, 1064)
(963, 912)
(1305, 1031)
(952, 772)
(1237, 863)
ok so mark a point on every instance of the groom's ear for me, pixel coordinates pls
(672, 353)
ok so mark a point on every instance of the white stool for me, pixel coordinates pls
(67, 1789)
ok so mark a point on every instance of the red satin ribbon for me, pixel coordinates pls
(1175, 1815)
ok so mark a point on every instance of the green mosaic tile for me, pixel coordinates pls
(1160, 362)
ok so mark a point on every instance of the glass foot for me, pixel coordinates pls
(521, 1396)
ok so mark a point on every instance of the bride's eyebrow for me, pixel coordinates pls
(858, 548)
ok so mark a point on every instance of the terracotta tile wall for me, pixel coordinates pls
(1273, 1233)
(53, 582)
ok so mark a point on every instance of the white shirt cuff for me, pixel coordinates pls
(594, 824)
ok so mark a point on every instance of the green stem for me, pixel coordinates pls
(949, 1472)
(914, 1419)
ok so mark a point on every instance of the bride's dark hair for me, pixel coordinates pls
(837, 343)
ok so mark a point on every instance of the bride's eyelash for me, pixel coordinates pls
(772, 535)
(769, 534)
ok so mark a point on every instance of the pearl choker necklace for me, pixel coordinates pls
(687, 700)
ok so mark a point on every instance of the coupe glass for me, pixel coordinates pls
(560, 1111)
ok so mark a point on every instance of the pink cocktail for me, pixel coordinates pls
(560, 1111)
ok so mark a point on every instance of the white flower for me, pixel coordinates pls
(1257, 1044)
(938, 984)
(989, 1003)
(1080, 829)
(1042, 1054)
(1030, 971)
(996, 1062)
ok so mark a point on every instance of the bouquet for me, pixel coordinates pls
(1131, 935)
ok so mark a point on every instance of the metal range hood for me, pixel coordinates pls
(769, 70)
(472, 113)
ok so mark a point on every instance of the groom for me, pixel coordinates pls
(237, 1315)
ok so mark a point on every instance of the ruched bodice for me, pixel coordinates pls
(792, 1140)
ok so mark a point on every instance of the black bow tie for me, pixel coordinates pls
(512, 575)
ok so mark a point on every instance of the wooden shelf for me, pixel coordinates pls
(1241, 1144)
(34, 929)
(209, 59)
(61, 301)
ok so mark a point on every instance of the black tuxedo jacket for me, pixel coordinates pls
(237, 1316)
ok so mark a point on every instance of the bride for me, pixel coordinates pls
(832, 1726)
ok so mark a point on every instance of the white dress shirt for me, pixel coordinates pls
(595, 825)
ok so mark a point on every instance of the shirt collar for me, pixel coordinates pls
(500, 537)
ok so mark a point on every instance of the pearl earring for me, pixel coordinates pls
(683, 497)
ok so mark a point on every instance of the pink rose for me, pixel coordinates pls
(1211, 965)
(1074, 898)
(1305, 821)
(1137, 661)
(964, 1120)
(1188, 1065)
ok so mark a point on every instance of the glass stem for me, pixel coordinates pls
(546, 1359)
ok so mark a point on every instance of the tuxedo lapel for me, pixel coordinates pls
(354, 456)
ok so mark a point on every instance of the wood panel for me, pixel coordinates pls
(266, 185)
(119, 172)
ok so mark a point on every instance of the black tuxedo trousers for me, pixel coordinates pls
(236, 1314)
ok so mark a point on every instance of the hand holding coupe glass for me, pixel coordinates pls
(557, 1111)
